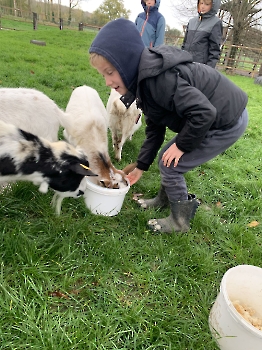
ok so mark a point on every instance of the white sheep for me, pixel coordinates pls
(86, 125)
(30, 110)
(123, 122)
(58, 165)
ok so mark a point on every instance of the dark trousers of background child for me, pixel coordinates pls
(215, 142)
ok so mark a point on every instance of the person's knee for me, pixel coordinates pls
(161, 166)
(167, 172)
(160, 155)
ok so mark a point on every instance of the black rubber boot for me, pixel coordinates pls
(160, 201)
(179, 219)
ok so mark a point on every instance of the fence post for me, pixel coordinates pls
(260, 71)
(34, 20)
(225, 62)
(81, 26)
(60, 23)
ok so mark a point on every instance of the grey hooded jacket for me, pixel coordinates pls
(203, 36)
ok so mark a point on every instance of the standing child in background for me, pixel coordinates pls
(151, 24)
(204, 33)
(204, 109)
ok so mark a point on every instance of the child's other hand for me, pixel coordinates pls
(172, 153)
(134, 176)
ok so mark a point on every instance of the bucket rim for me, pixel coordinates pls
(234, 313)
(107, 191)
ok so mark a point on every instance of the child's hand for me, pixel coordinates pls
(172, 153)
(134, 176)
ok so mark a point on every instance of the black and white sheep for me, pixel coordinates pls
(58, 165)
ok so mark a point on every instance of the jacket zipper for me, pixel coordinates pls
(199, 22)
(143, 28)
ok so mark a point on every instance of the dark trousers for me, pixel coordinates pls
(215, 142)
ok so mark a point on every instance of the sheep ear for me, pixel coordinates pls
(105, 183)
(129, 168)
(82, 169)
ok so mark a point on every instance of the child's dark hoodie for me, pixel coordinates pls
(189, 98)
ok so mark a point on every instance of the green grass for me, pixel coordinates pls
(81, 281)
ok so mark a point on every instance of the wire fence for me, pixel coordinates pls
(241, 60)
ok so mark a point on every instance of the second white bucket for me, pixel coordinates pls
(242, 283)
(104, 201)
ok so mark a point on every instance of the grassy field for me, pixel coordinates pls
(81, 281)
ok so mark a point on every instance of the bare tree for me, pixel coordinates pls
(183, 10)
(239, 16)
(73, 4)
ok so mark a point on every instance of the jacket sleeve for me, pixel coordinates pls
(198, 112)
(155, 136)
(186, 106)
(160, 31)
(215, 40)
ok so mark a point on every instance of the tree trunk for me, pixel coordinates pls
(260, 71)
(69, 13)
(15, 14)
(69, 16)
(234, 49)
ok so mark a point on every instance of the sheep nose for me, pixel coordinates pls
(80, 193)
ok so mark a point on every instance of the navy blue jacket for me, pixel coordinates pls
(151, 25)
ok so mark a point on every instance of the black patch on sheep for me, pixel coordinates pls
(7, 166)
(29, 137)
(69, 174)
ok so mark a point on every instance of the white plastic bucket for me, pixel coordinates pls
(242, 283)
(104, 201)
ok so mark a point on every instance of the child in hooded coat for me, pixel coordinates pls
(204, 109)
(151, 23)
(204, 32)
